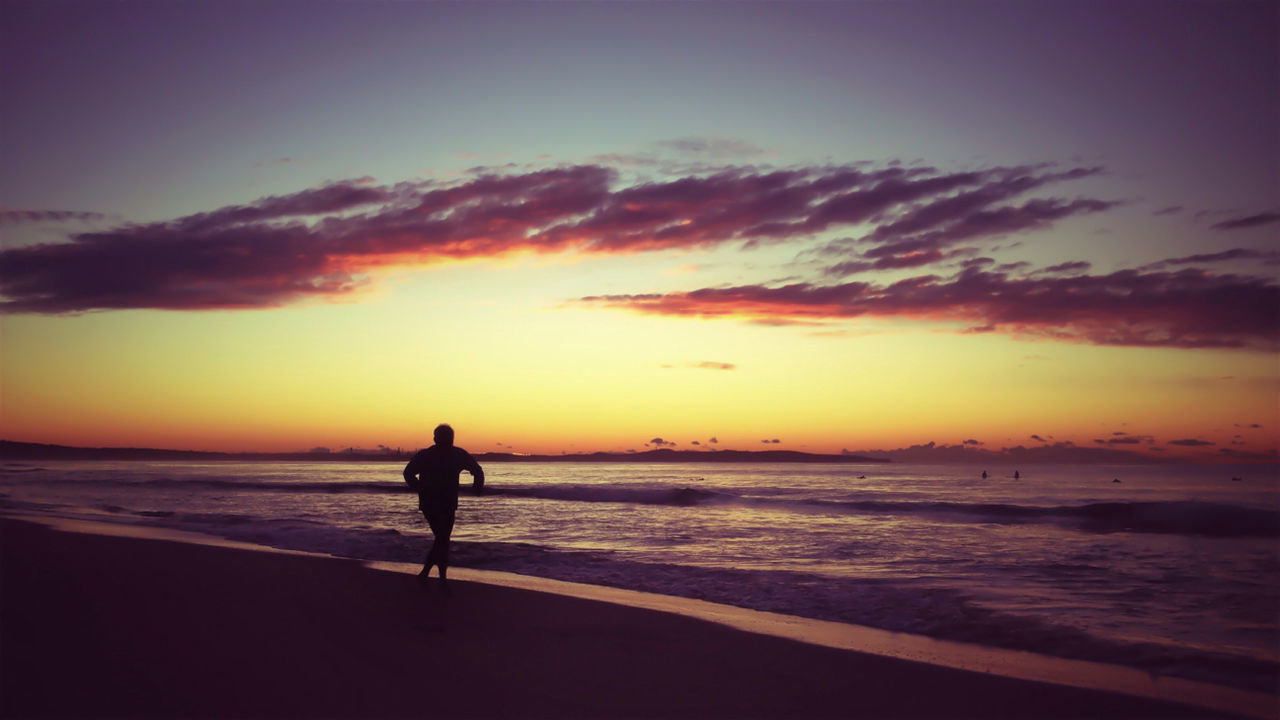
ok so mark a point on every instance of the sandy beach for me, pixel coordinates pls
(97, 626)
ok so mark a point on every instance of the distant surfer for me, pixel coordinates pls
(984, 474)
(1016, 475)
(433, 474)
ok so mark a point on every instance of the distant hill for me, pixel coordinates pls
(667, 455)
(10, 450)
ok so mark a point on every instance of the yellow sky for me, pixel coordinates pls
(494, 349)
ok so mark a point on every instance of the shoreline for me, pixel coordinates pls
(747, 640)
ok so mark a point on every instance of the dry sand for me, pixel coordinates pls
(97, 626)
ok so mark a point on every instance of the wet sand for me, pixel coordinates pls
(97, 626)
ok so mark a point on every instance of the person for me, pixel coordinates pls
(433, 474)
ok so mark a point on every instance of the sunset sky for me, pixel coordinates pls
(612, 226)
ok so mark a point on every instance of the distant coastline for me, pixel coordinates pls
(10, 450)
(928, 454)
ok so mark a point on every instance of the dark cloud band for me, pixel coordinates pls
(319, 242)
(1187, 309)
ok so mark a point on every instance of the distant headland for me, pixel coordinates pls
(10, 450)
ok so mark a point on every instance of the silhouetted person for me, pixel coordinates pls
(433, 473)
(984, 474)
(1017, 475)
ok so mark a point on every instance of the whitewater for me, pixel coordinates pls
(1172, 569)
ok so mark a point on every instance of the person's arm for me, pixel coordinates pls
(411, 473)
(477, 474)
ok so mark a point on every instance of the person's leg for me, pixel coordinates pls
(441, 523)
(430, 559)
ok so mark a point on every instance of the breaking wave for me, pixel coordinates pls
(1174, 517)
(1167, 517)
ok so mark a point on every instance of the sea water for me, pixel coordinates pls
(1174, 569)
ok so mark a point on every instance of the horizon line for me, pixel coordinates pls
(1060, 454)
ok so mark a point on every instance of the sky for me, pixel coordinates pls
(985, 227)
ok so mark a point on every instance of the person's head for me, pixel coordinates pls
(443, 434)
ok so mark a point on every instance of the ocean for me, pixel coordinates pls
(1174, 570)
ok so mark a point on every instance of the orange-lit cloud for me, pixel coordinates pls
(320, 241)
(1188, 309)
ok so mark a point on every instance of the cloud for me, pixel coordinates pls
(1012, 267)
(969, 206)
(324, 241)
(1037, 437)
(659, 442)
(704, 365)
(1170, 210)
(1126, 439)
(1263, 218)
(1269, 456)
(1190, 442)
(263, 254)
(1190, 308)
(277, 161)
(695, 442)
(972, 442)
(921, 234)
(713, 441)
(1068, 267)
(773, 441)
(160, 267)
(231, 257)
(623, 159)
(714, 147)
(324, 200)
(1268, 257)
(8, 217)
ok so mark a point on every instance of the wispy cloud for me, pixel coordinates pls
(714, 147)
(322, 241)
(704, 365)
(276, 161)
(1189, 309)
(1266, 257)
(1248, 221)
(32, 216)
(1120, 438)
(1068, 267)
